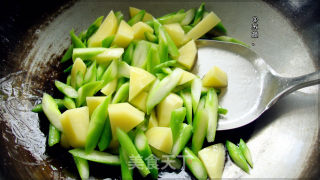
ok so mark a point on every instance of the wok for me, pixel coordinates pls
(284, 141)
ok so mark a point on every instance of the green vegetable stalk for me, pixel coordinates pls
(91, 73)
(106, 43)
(162, 89)
(144, 150)
(194, 164)
(68, 54)
(246, 152)
(89, 89)
(69, 103)
(138, 17)
(96, 156)
(128, 53)
(199, 14)
(76, 41)
(132, 152)
(38, 108)
(237, 156)
(177, 118)
(66, 89)
(187, 101)
(212, 109)
(182, 139)
(200, 125)
(93, 28)
(122, 94)
(106, 136)
(82, 166)
(54, 136)
(126, 172)
(196, 86)
(96, 125)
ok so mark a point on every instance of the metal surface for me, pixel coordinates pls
(284, 141)
(253, 84)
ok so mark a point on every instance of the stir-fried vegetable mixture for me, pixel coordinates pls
(131, 100)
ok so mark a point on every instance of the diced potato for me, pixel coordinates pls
(176, 33)
(153, 122)
(110, 87)
(166, 106)
(64, 141)
(160, 138)
(108, 55)
(139, 29)
(188, 54)
(139, 80)
(186, 77)
(75, 124)
(213, 158)
(215, 77)
(93, 102)
(205, 25)
(124, 35)
(107, 28)
(134, 11)
(78, 66)
(140, 101)
(124, 116)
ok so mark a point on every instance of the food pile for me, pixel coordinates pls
(131, 98)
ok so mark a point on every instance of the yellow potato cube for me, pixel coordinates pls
(107, 28)
(213, 158)
(176, 33)
(110, 87)
(134, 11)
(186, 77)
(124, 35)
(139, 29)
(124, 116)
(139, 80)
(75, 124)
(78, 66)
(140, 101)
(153, 122)
(166, 106)
(205, 25)
(93, 102)
(188, 53)
(160, 138)
(215, 77)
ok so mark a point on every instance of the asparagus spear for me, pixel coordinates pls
(66, 89)
(188, 17)
(200, 125)
(106, 43)
(101, 68)
(54, 135)
(246, 152)
(76, 41)
(122, 94)
(194, 164)
(93, 28)
(89, 89)
(91, 73)
(182, 139)
(96, 156)
(162, 89)
(196, 86)
(138, 17)
(96, 125)
(237, 156)
(68, 54)
(82, 166)
(199, 14)
(132, 152)
(212, 109)
(126, 172)
(69, 103)
(150, 37)
(144, 150)
(38, 108)
(177, 118)
(50, 109)
(106, 136)
(187, 101)
(128, 54)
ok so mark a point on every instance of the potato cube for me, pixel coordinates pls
(166, 106)
(107, 28)
(215, 77)
(176, 33)
(140, 101)
(139, 29)
(134, 11)
(75, 124)
(139, 80)
(188, 54)
(110, 87)
(213, 158)
(153, 122)
(160, 138)
(124, 35)
(124, 116)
